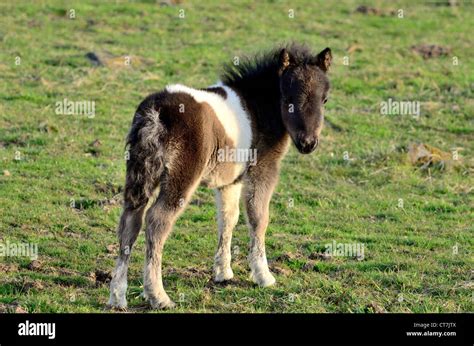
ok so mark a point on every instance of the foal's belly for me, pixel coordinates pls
(224, 173)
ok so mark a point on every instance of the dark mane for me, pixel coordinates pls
(256, 80)
(262, 65)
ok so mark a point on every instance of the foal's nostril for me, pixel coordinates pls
(306, 141)
(308, 144)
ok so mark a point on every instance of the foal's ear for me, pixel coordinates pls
(323, 59)
(286, 59)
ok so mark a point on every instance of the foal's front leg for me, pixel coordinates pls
(258, 193)
(227, 199)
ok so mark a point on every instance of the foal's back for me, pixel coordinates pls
(189, 127)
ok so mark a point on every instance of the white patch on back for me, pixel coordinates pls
(229, 111)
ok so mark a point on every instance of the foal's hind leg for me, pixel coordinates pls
(174, 195)
(227, 199)
(129, 227)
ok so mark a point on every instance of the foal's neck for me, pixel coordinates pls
(260, 93)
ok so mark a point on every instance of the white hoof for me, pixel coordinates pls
(223, 274)
(263, 279)
(117, 300)
(162, 303)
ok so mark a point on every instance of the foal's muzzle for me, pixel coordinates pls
(307, 144)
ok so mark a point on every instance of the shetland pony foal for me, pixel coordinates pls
(176, 141)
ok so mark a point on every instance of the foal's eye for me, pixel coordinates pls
(325, 100)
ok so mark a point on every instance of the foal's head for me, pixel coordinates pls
(304, 89)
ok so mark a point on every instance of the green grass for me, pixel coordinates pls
(409, 263)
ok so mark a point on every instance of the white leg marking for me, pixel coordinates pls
(227, 199)
(118, 286)
(154, 290)
(259, 272)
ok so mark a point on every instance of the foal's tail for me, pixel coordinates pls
(145, 159)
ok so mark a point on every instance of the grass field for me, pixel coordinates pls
(61, 175)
